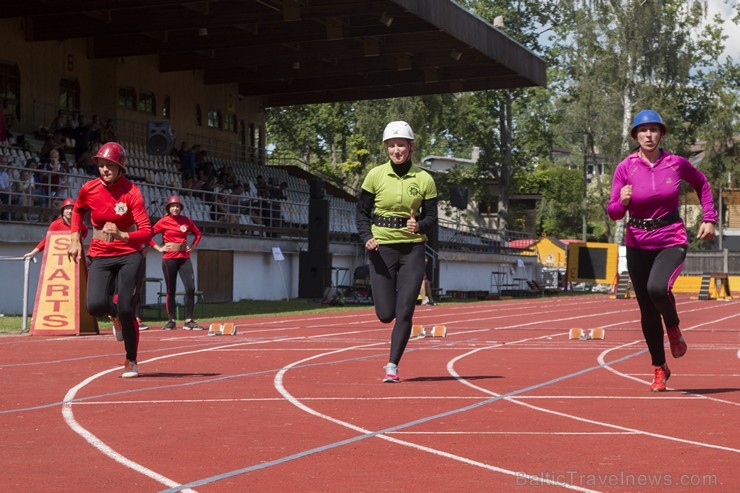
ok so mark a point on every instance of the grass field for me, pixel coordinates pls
(211, 311)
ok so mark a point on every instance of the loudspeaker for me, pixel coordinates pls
(159, 137)
(459, 197)
(318, 226)
(317, 188)
(314, 274)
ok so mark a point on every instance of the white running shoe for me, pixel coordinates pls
(391, 373)
(130, 369)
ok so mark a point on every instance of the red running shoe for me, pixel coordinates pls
(678, 345)
(662, 374)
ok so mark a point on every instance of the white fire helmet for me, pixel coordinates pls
(398, 129)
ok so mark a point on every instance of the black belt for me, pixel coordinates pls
(390, 221)
(651, 224)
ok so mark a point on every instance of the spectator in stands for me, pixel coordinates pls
(199, 181)
(58, 182)
(85, 161)
(175, 228)
(7, 119)
(647, 185)
(121, 229)
(263, 193)
(96, 129)
(41, 182)
(23, 190)
(228, 178)
(58, 123)
(393, 195)
(187, 160)
(62, 223)
(109, 133)
(5, 188)
(82, 137)
(72, 125)
(52, 142)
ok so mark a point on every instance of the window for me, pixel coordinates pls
(230, 122)
(69, 94)
(127, 98)
(198, 116)
(488, 207)
(214, 119)
(10, 87)
(148, 103)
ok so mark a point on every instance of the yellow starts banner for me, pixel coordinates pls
(60, 307)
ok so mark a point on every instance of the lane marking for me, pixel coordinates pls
(382, 434)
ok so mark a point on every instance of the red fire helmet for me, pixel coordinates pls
(112, 151)
(174, 199)
(66, 203)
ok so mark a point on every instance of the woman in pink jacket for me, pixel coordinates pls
(646, 184)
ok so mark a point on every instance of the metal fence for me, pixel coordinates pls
(699, 262)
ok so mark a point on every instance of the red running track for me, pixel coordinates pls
(504, 403)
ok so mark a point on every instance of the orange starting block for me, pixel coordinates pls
(420, 331)
(217, 329)
(587, 334)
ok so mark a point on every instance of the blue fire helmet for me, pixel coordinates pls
(647, 116)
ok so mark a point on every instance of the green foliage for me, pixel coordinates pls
(606, 60)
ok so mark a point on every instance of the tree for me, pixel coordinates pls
(624, 55)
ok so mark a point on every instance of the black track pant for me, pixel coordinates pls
(396, 272)
(653, 273)
(121, 275)
(170, 268)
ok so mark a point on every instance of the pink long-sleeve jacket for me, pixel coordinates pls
(655, 193)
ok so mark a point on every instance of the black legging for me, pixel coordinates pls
(170, 268)
(653, 273)
(396, 272)
(122, 275)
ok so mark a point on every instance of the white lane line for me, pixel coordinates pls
(516, 400)
(99, 444)
(602, 357)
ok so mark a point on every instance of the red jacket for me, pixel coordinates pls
(120, 203)
(58, 224)
(175, 229)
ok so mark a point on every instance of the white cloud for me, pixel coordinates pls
(728, 9)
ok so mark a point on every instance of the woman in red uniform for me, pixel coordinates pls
(120, 228)
(175, 228)
(62, 223)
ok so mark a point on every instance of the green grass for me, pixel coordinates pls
(211, 312)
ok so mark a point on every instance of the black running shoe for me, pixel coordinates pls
(171, 325)
(192, 325)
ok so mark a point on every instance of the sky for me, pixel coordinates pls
(728, 10)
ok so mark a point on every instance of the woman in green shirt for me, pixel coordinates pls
(397, 207)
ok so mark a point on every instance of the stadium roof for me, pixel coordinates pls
(297, 51)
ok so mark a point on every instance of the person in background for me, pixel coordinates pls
(175, 228)
(425, 293)
(393, 195)
(62, 223)
(120, 229)
(646, 184)
(5, 188)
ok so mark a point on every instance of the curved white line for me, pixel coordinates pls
(602, 358)
(451, 370)
(105, 449)
(278, 382)
(98, 443)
